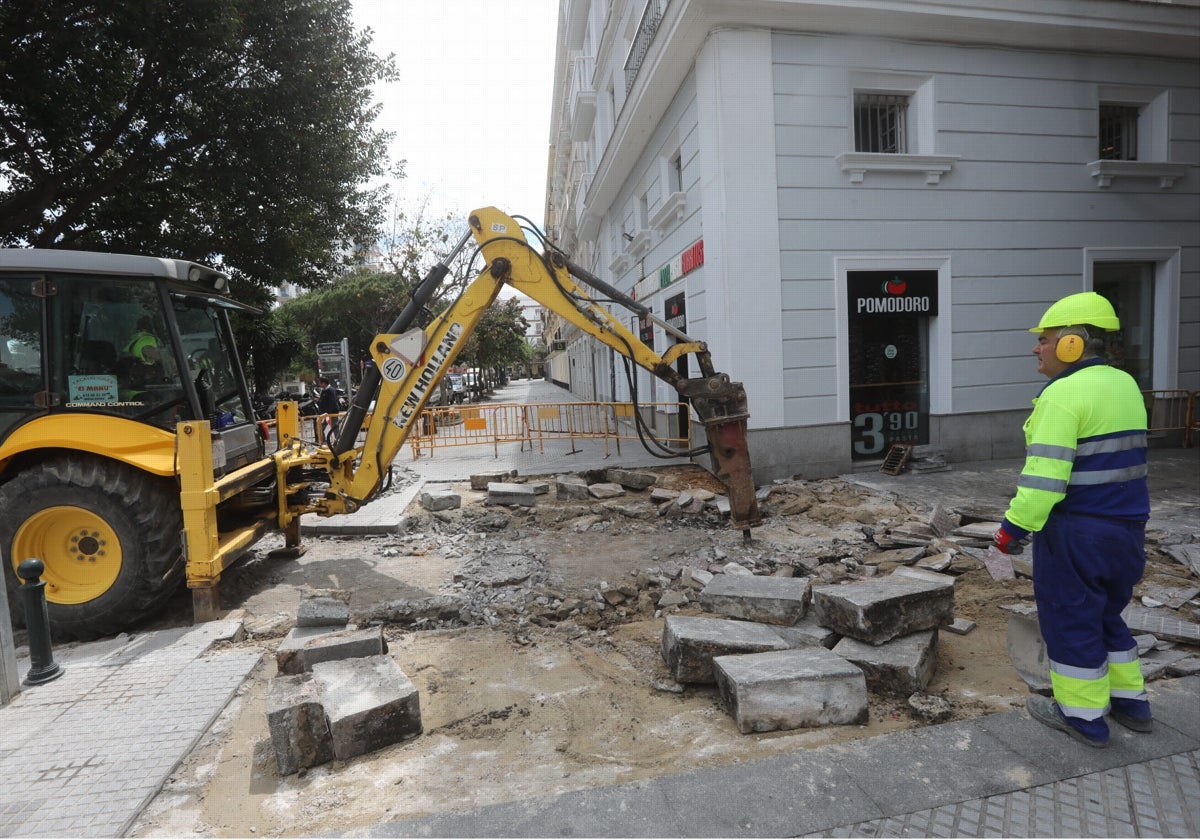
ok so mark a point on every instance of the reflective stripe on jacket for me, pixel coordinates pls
(1085, 449)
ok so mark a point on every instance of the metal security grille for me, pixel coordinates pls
(1118, 132)
(879, 123)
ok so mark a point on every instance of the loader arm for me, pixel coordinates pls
(410, 364)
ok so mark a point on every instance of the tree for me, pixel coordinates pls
(233, 132)
(499, 338)
(271, 343)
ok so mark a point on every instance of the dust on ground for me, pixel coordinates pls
(534, 638)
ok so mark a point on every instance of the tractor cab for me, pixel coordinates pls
(109, 335)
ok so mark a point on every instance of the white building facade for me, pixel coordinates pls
(862, 207)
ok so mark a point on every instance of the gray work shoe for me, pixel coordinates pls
(1130, 722)
(1045, 710)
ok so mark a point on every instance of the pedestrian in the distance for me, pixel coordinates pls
(327, 403)
(1082, 494)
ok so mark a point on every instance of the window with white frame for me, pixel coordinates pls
(892, 127)
(1118, 132)
(880, 123)
(1132, 136)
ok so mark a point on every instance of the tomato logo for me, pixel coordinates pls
(895, 286)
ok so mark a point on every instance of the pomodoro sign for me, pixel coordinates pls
(873, 294)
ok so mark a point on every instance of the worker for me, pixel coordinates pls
(1082, 494)
(143, 365)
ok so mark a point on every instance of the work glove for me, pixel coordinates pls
(1006, 543)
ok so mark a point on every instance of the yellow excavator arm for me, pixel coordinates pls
(409, 363)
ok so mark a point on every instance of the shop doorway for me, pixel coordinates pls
(888, 345)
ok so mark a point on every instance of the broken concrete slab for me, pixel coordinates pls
(323, 608)
(878, 610)
(801, 687)
(1187, 554)
(658, 495)
(931, 708)
(937, 562)
(689, 644)
(296, 721)
(434, 500)
(507, 493)
(893, 557)
(959, 626)
(943, 521)
(807, 633)
(1173, 596)
(480, 481)
(1157, 663)
(1162, 623)
(770, 600)
(898, 668)
(606, 490)
(924, 574)
(304, 647)
(369, 702)
(570, 487)
(630, 479)
(1026, 648)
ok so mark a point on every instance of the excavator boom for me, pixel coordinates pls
(410, 362)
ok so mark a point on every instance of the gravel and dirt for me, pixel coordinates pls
(533, 636)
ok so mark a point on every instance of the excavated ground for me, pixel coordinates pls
(534, 637)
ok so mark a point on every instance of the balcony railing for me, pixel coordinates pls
(647, 28)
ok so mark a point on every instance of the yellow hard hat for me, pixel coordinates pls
(1083, 308)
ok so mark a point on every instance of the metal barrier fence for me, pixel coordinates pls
(534, 423)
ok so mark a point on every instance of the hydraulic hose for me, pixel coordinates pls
(369, 387)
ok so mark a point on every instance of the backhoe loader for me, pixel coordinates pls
(130, 456)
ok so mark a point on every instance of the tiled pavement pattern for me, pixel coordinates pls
(80, 756)
(1159, 798)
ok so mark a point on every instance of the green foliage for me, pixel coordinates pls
(269, 346)
(233, 132)
(499, 338)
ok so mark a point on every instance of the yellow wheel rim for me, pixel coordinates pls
(80, 549)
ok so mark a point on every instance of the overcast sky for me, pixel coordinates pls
(471, 110)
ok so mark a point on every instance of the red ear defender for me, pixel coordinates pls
(1069, 348)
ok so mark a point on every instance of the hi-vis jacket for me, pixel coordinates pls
(1085, 447)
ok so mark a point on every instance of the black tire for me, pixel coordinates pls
(110, 536)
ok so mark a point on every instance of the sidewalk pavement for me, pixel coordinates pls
(82, 755)
(1004, 775)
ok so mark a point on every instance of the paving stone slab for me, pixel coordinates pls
(323, 608)
(506, 493)
(304, 647)
(571, 487)
(369, 703)
(897, 668)
(791, 689)
(770, 600)
(480, 481)
(630, 479)
(877, 610)
(297, 725)
(807, 633)
(689, 644)
(435, 500)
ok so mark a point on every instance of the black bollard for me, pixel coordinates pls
(37, 622)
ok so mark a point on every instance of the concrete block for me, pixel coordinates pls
(304, 647)
(878, 610)
(571, 487)
(299, 731)
(540, 488)
(504, 493)
(480, 481)
(606, 490)
(661, 494)
(369, 703)
(808, 633)
(770, 600)
(897, 668)
(630, 479)
(790, 689)
(323, 608)
(440, 500)
(924, 574)
(690, 642)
